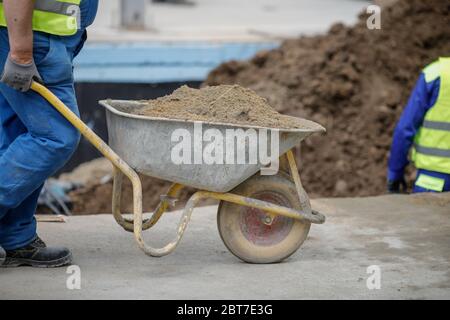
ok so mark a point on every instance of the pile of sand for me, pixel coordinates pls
(223, 103)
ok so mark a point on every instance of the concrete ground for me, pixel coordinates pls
(406, 238)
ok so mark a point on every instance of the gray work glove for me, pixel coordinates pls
(19, 76)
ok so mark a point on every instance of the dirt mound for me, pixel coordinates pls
(355, 82)
(225, 103)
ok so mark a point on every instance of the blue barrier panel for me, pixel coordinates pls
(159, 62)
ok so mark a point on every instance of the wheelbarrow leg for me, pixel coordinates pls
(138, 225)
(163, 205)
(302, 195)
(182, 225)
(128, 224)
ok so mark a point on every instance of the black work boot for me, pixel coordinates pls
(36, 254)
(2, 256)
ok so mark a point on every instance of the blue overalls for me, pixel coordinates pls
(35, 140)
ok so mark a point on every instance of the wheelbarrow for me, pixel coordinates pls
(261, 218)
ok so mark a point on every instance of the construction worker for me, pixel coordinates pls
(38, 41)
(425, 126)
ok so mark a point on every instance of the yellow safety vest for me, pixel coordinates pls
(432, 141)
(57, 17)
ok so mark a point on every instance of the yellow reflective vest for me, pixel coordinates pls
(432, 141)
(57, 17)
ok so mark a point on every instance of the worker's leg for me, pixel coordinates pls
(18, 225)
(45, 146)
(431, 181)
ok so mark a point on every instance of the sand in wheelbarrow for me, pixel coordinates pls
(225, 104)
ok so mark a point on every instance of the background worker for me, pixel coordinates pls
(38, 40)
(425, 126)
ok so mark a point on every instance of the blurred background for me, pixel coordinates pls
(142, 49)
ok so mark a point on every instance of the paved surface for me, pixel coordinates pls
(407, 237)
(227, 20)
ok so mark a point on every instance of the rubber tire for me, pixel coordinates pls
(229, 221)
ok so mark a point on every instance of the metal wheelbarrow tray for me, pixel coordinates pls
(145, 144)
(261, 218)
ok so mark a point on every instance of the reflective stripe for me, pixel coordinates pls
(432, 151)
(436, 125)
(430, 183)
(53, 6)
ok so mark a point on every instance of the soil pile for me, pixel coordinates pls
(355, 82)
(224, 103)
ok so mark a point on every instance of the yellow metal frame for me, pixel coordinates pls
(137, 225)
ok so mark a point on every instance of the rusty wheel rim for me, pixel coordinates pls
(262, 229)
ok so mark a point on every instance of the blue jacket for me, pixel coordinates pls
(423, 97)
(88, 11)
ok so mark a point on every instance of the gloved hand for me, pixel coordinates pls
(397, 186)
(19, 76)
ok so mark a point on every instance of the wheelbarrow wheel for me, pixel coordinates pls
(254, 236)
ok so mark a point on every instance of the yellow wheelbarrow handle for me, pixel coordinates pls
(107, 152)
(90, 135)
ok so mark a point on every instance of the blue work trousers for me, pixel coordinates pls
(35, 140)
